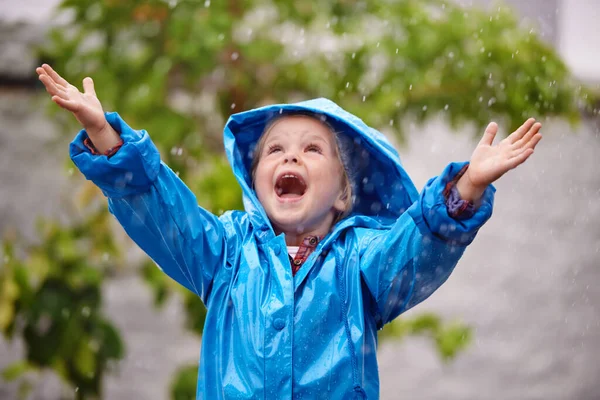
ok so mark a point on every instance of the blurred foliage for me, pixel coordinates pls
(50, 298)
(449, 338)
(179, 68)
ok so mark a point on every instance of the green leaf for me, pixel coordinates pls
(85, 359)
(15, 370)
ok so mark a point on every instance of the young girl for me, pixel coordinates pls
(334, 241)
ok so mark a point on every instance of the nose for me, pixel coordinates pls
(290, 158)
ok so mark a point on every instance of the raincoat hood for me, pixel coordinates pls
(382, 188)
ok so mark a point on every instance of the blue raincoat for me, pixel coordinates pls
(268, 334)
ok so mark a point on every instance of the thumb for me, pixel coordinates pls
(88, 86)
(489, 134)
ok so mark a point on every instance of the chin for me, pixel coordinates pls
(288, 224)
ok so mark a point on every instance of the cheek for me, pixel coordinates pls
(261, 180)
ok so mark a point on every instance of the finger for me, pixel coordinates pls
(51, 86)
(534, 141)
(40, 71)
(88, 86)
(521, 131)
(519, 159)
(69, 105)
(55, 76)
(530, 134)
(489, 134)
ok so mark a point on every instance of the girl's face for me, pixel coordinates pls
(298, 178)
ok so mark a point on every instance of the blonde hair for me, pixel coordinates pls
(343, 148)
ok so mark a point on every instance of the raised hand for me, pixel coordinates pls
(85, 106)
(489, 162)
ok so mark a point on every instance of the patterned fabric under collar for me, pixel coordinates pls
(306, 248)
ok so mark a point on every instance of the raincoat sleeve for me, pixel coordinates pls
(407, 263)
(156, 209)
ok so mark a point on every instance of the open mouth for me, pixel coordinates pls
(290, 186)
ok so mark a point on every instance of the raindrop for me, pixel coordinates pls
(446, 107)
(410, 87)
(376, 207)
(176, 151)
(353, 56)
(377, 45)
(391, 122)
(396, 50)
(347, 84)
(105, 256)
(85, 311)
(364, 98)
(235, 55)
(232, 106)
(207, 3)
(451, 54)
(491, 101)
(424, 108)
(543, 58)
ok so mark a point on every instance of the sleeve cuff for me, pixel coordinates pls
(130, 170)
(456, 206)
(108, 153)
(432, 213)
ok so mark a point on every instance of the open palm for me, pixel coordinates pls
(489, 162)
(85, 106)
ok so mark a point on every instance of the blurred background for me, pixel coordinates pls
(84, 314)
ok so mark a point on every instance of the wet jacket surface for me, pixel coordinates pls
(268, 334)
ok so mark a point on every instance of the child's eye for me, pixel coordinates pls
(273, 149)
(313, 148)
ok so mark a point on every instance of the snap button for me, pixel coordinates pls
(312, 240)
(277, 249)
(297, 262)
(278, 324)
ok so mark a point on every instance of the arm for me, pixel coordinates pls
(156, 209)
(406, 264)
(154, 206)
